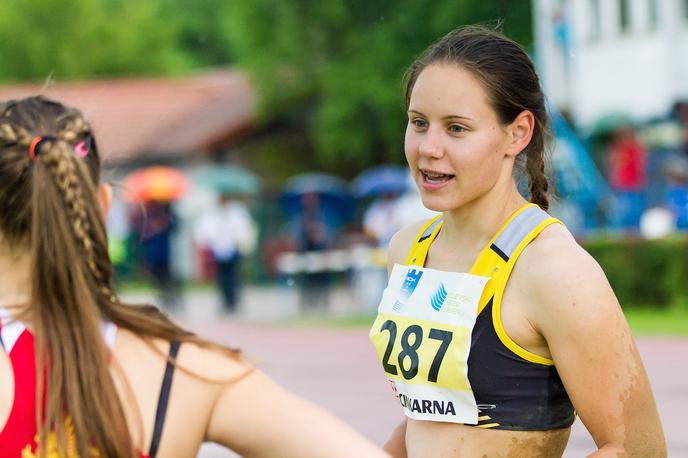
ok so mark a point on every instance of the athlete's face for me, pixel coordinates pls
(455, 145)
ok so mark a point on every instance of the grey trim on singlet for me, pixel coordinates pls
(428, 232)
(518, 228)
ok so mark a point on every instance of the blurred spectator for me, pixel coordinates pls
(627, 158)
(681, 110)
(153, 224)
(229, 233)
(379, 220)
(313, 237)
(410, 209)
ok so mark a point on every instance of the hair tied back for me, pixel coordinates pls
(36, 143)
(82, 148)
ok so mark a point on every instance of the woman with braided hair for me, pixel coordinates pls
(82, 374)
(496, 327)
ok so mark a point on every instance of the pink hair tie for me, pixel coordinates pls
(81, 149)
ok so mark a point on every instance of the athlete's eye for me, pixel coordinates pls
(456, 129)
(419, 123)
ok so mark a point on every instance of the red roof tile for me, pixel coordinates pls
(155, 118)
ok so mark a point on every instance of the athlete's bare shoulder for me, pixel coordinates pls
(215, 363)
(207, 362)
(402, 241)
(559, 275)
(553, 250)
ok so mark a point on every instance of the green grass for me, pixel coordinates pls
(643, 321)
(361, 320)
(146, 286)
(658, 322)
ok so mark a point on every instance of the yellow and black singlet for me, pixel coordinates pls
(514, 389)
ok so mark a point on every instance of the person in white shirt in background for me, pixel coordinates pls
(229, 232)
(378, 220)
(382, 219)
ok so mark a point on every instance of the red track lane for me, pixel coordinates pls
(338, 370)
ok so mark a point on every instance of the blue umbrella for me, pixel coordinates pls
(383, 179)
(335, 201)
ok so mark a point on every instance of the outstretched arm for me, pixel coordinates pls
(257, 418)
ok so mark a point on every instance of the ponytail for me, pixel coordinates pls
(48, 200)
(68, 284)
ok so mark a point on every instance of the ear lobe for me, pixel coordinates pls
(521, 130)
(105, 198)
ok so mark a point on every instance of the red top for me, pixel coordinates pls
(19, 433)
(627, 165)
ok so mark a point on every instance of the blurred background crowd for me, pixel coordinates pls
(259, 142)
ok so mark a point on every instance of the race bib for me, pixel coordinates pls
(422, 336)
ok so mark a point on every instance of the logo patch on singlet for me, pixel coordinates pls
(438, 298)
(410, 283)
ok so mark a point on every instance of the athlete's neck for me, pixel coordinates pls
(474, 224)
(14, 277)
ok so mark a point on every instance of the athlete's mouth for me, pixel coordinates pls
(433, 177)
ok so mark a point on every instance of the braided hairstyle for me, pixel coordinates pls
(49, 207)
(511, 83)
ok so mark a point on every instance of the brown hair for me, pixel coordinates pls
(512, 85)
(49, 205)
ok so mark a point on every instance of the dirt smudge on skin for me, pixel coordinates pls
(541, 444)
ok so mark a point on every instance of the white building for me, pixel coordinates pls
(608, 57)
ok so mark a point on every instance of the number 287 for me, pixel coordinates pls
(410, 350)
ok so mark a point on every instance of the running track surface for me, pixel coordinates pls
(338, 370)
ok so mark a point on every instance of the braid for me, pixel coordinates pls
(16, 135)
(69, 176)
(537, 180)
(75, 127)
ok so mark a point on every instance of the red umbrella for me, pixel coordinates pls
(155, 183)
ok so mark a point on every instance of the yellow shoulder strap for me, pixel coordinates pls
(493, 259)
(422, 242)
(511, 243)
(499, 256)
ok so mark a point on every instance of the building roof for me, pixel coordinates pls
(155, 118)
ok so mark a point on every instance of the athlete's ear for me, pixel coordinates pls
(520, 132)
(105, 198)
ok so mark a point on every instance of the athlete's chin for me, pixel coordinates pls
(440, 203)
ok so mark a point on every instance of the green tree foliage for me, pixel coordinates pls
(71, 39)
(336, 67)
(201, 28)
(329, 71)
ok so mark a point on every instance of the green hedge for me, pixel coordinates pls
(645, 273)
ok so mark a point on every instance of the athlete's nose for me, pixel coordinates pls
(430, 145)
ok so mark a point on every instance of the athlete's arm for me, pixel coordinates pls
(257, 418)
(574, 309)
